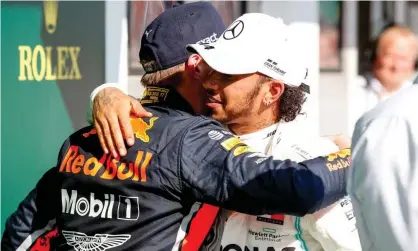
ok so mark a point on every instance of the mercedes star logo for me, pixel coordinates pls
(234, 30)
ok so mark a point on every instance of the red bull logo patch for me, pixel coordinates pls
(140, 128)
(339, 160)
(106, 167)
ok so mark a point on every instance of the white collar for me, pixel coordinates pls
(261, 134)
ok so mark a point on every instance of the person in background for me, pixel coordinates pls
(393, 63)
(383, 183)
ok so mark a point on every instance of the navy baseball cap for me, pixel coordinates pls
(166, 37)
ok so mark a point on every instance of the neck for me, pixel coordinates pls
(189, 92)
(254, 123)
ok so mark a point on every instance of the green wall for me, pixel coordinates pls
(46, 79)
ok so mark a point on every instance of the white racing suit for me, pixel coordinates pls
(330, 229)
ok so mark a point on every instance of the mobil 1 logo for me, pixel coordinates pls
(108, 206)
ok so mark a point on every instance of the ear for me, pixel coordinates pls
(194, 66)
(274, 92)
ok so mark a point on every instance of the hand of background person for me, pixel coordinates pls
(111, 111)
(341, 140)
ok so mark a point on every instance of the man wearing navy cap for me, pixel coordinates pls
(147, 199)
(163, 55)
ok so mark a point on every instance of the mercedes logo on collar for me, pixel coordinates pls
(234, 30)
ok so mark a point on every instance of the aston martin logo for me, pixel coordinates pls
(98, 242)
(50, 15)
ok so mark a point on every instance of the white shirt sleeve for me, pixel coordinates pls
(335, 227)
(93, 95)
(383, 184)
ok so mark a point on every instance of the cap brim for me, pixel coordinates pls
(226, 62)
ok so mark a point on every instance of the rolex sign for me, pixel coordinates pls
(53, 56)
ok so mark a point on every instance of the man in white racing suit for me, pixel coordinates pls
(244, 103)
(329, 229)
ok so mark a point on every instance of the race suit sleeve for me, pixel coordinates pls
(36, 214)
(217, 168)
(383, 187)
(335, 227)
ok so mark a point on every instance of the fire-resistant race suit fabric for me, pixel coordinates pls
(146, 200)
(330, 229)
(384, 185)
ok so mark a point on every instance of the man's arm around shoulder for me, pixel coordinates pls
(219, 169)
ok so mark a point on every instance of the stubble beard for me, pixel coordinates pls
(241, 110)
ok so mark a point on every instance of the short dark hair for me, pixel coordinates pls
(154, 78)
